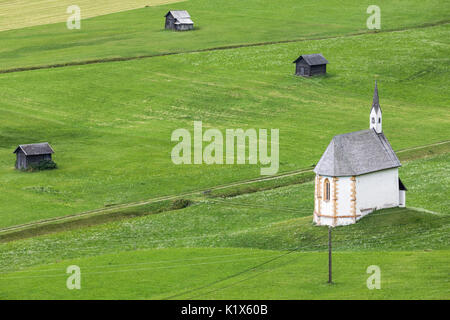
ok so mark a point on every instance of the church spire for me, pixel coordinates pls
(375, 112)
(376, 101)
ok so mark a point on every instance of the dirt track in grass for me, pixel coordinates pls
(118, 59)
(19, 228)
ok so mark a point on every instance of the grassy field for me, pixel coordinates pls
(210, 244)
(217, 23)
(25, 13)
(237, 274)
(112, 138)
(110, 124)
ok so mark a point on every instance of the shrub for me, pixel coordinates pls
(180, 204)
(43, 165)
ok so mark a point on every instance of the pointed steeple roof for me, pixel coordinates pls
(376, 101)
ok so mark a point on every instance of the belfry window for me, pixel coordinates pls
(326, 190)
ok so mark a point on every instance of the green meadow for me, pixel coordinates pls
(218, 23)
(224, 274)
(263, 244)
(110, 124)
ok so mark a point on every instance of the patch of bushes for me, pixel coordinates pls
(180, 204)
(43, 165)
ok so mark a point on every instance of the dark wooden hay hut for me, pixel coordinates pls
(27, 154)
(308, 65)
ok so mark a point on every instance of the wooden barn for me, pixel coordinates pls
(27, 154)
(308, 65)
(179, 20)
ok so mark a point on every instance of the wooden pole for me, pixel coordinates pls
(329, 256)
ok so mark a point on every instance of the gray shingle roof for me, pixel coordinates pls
(357, 153)
(182, 16)
(35, 149)
(313, 59)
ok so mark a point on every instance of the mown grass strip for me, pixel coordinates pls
(24, 13)
(83, 222)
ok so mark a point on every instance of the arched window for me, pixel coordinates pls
(373, 120)
(326, 190)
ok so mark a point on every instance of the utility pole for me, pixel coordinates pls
(329, 256)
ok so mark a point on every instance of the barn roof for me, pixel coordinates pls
(182, 16)
(35, 149)
(313, 59)
(357, 153)
(184, 21)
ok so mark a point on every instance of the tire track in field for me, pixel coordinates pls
(226, 47)
(180, 195)
(152, 200)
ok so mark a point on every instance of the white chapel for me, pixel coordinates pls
(357, 174)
